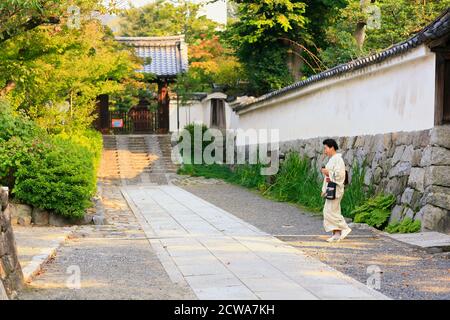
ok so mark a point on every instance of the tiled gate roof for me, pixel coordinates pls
(164, 56)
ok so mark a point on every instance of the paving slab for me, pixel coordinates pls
(407, 272)
(223, 257)
(36, 245)
(424, 240)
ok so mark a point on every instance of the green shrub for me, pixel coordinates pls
(19, 137)
(50, 172)
(356, 193)
(375, 211)
(405, 226)
(90, 139)
(191, 128)
(62, 179)
(298, 181)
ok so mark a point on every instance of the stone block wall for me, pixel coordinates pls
(11, 277)
(413, 166)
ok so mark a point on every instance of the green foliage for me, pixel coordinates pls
(214, 171)
(19, 137)
(265, 66)
(19, 16)
(163, 18)
(299, 182)
(356, 193)
(210, 62)
(249, 175)
(61, 179)
(59, 72)
(257, 37)
(375, 211)
(196, 141)
(407, 225)
(50, 172)
(400, 19)
(91, 140)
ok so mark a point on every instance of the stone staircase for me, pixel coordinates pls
(165, 146)
(138, 159)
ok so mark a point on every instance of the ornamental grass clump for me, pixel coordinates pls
(249, 175)
(298, 181)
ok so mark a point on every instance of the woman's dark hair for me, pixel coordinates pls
(331, 143)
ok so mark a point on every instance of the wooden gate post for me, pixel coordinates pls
(163, 107)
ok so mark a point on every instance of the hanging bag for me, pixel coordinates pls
(331, 191)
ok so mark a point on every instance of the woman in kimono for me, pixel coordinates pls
(334, 171)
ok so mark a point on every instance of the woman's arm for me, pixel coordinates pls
(336, 171)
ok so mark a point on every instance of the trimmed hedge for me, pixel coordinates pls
(57, 173)
(61, 180)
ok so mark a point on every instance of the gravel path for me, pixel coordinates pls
(406, 272)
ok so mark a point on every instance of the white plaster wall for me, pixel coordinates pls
(193, 112)
(397, 95)
(200, 112)
(231, 117)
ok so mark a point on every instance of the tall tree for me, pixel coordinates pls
(60, 71)
(20, 16)
(278, 41)
(259, 38)
(349, 38)
(163, 18)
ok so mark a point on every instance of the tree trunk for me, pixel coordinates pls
(360, 32)
(10, 85)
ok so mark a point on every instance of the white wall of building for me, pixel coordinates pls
(189, 113)
(200, 112)
(396, 95)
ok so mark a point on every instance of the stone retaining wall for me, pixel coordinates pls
(414, 166)
(11, 277)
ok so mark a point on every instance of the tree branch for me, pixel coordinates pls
(27, 26)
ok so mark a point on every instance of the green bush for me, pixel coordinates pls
(375, 211)
(90, 139)
(50, 172)
(191, 128)
(19, 137)
(405, 226)
(298, 181)
(62, 179)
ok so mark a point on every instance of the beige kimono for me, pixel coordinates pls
(332, 217)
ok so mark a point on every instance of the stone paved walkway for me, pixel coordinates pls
(406, 271)
(162, 242)
(223, 257)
